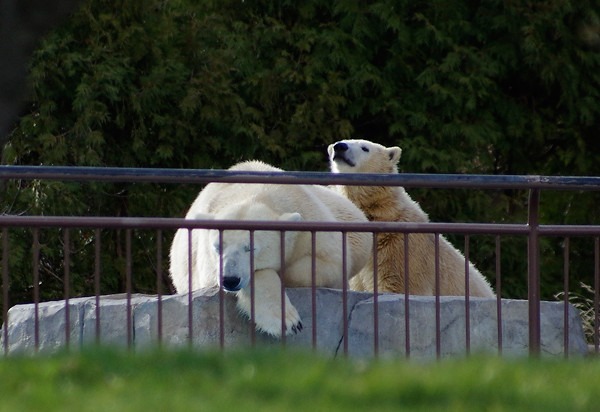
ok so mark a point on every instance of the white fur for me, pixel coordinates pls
(394, 204)
(269, 202)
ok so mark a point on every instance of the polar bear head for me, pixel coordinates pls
(363, 156)
(237, 247)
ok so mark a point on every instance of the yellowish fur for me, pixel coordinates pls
(393, 204)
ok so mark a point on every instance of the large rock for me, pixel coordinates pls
(235, 331)
(483, 336)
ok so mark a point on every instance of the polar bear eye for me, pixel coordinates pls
(365, 149)
(247, 248)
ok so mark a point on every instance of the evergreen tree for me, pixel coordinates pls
(463, 87)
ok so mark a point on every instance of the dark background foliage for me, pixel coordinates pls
(489, 87)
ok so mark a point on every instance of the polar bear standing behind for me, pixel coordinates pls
(270, 202)
(391, 203)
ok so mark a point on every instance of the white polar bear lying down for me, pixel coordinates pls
(389, 203)
(271, 202)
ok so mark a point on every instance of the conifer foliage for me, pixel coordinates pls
(492, 87)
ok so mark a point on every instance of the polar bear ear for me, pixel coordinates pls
(394, 154)
(291, 217)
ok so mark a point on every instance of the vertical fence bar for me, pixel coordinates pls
(222, 296)
(406, 298)
(375, 299)
(438, 322)
(566, 297)
(5, 287)
(128, 267)
(467, 299)
(159, 290)
(596, 292)
(313, 286)
(97, 248)
(67, 282)
(252, 291)
(345, 291)
(499, 293)
(36, 287)
(190, 307)
(282, 295)
(534, 273)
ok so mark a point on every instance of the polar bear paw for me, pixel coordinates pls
(268, 319)
(267, 311)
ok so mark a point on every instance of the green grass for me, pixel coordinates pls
(260, 380)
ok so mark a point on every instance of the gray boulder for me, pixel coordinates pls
(111, 328)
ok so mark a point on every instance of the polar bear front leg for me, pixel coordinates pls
(267, 304)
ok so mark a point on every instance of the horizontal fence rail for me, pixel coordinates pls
(175, 223)
(150, 175)
(376, 227)
(532, 230)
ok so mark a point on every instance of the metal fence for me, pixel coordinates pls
(531, 229)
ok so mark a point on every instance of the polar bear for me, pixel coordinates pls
(269, 202)
(391, 203)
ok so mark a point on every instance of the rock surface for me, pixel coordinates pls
(142, 330)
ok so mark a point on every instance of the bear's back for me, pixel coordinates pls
(314, 203)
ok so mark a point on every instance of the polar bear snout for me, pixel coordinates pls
(232, 283)
(340, 147)
(236, 274)
(340, 152)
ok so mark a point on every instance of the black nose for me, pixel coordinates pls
(231, 283)
(340, 147)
